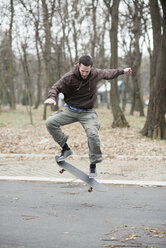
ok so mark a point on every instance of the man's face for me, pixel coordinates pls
(84, 70)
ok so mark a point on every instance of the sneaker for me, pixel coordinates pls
(93, 172)
(64, 154)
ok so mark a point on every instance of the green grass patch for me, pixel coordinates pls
(20, 117)
(106, 118)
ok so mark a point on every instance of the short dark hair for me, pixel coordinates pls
(85, 60)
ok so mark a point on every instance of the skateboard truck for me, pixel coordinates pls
(61, 171)
(90, 189)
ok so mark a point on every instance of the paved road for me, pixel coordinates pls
(49, 215)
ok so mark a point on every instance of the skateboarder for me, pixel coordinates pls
(79, 87)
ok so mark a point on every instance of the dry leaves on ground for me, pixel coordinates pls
(114, 142)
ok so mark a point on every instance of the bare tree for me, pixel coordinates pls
(11, 78)
(133, 21)
(7, 58)
(66, 27)
(119, 118)
(76, 13)
(37, 44)
(137, 101)
(47, 22)
(94, 25)
(4, 69)
(34, 16)
(27, 81)
(155, 126)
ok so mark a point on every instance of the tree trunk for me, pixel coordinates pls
(155, 126)
(74, 23)
(34, 14)
(101, 55)
(137, 98)
(106, 97)
(94, 37)
(156, 26)
(5, 88)
(27, 81)
(38, 98)
(119, 118)
(124, 100)
(66, 29)
(37, 44)
(137, 101)
(11, 81)
(47, 51)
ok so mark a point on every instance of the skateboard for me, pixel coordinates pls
(81, 175)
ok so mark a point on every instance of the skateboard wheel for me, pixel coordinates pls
(90, 189)
(61, 171)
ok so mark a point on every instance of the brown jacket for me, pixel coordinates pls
(81, 93)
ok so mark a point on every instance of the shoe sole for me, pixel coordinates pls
(63, 159)
(92, 176)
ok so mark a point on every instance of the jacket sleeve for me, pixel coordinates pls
(58, 87)
(109, 74)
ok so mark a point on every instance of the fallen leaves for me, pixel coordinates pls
(129, 236)
(29, 217)
(117, 142)
(155, 232)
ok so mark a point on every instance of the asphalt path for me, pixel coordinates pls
(49, 215)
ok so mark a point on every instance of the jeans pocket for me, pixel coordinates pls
(95, 119)
(56, 112)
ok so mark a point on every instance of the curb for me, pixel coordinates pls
(13, 155)
(70, 180)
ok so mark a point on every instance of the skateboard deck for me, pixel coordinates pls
(81, 175)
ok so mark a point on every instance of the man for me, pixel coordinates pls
(79, 87)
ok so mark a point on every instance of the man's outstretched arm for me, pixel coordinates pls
(109, 74)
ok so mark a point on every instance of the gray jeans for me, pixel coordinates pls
(89, 122)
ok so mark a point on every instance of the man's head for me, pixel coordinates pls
(85, 64)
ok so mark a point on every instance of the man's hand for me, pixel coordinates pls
(50, 101)
(127, 71)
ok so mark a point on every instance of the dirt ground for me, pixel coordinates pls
(127, 142)
(127, 154)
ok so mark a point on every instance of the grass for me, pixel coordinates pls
(134, 121)
(20, 117)
(150, 247)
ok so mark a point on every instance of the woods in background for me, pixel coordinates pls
(41, 40)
